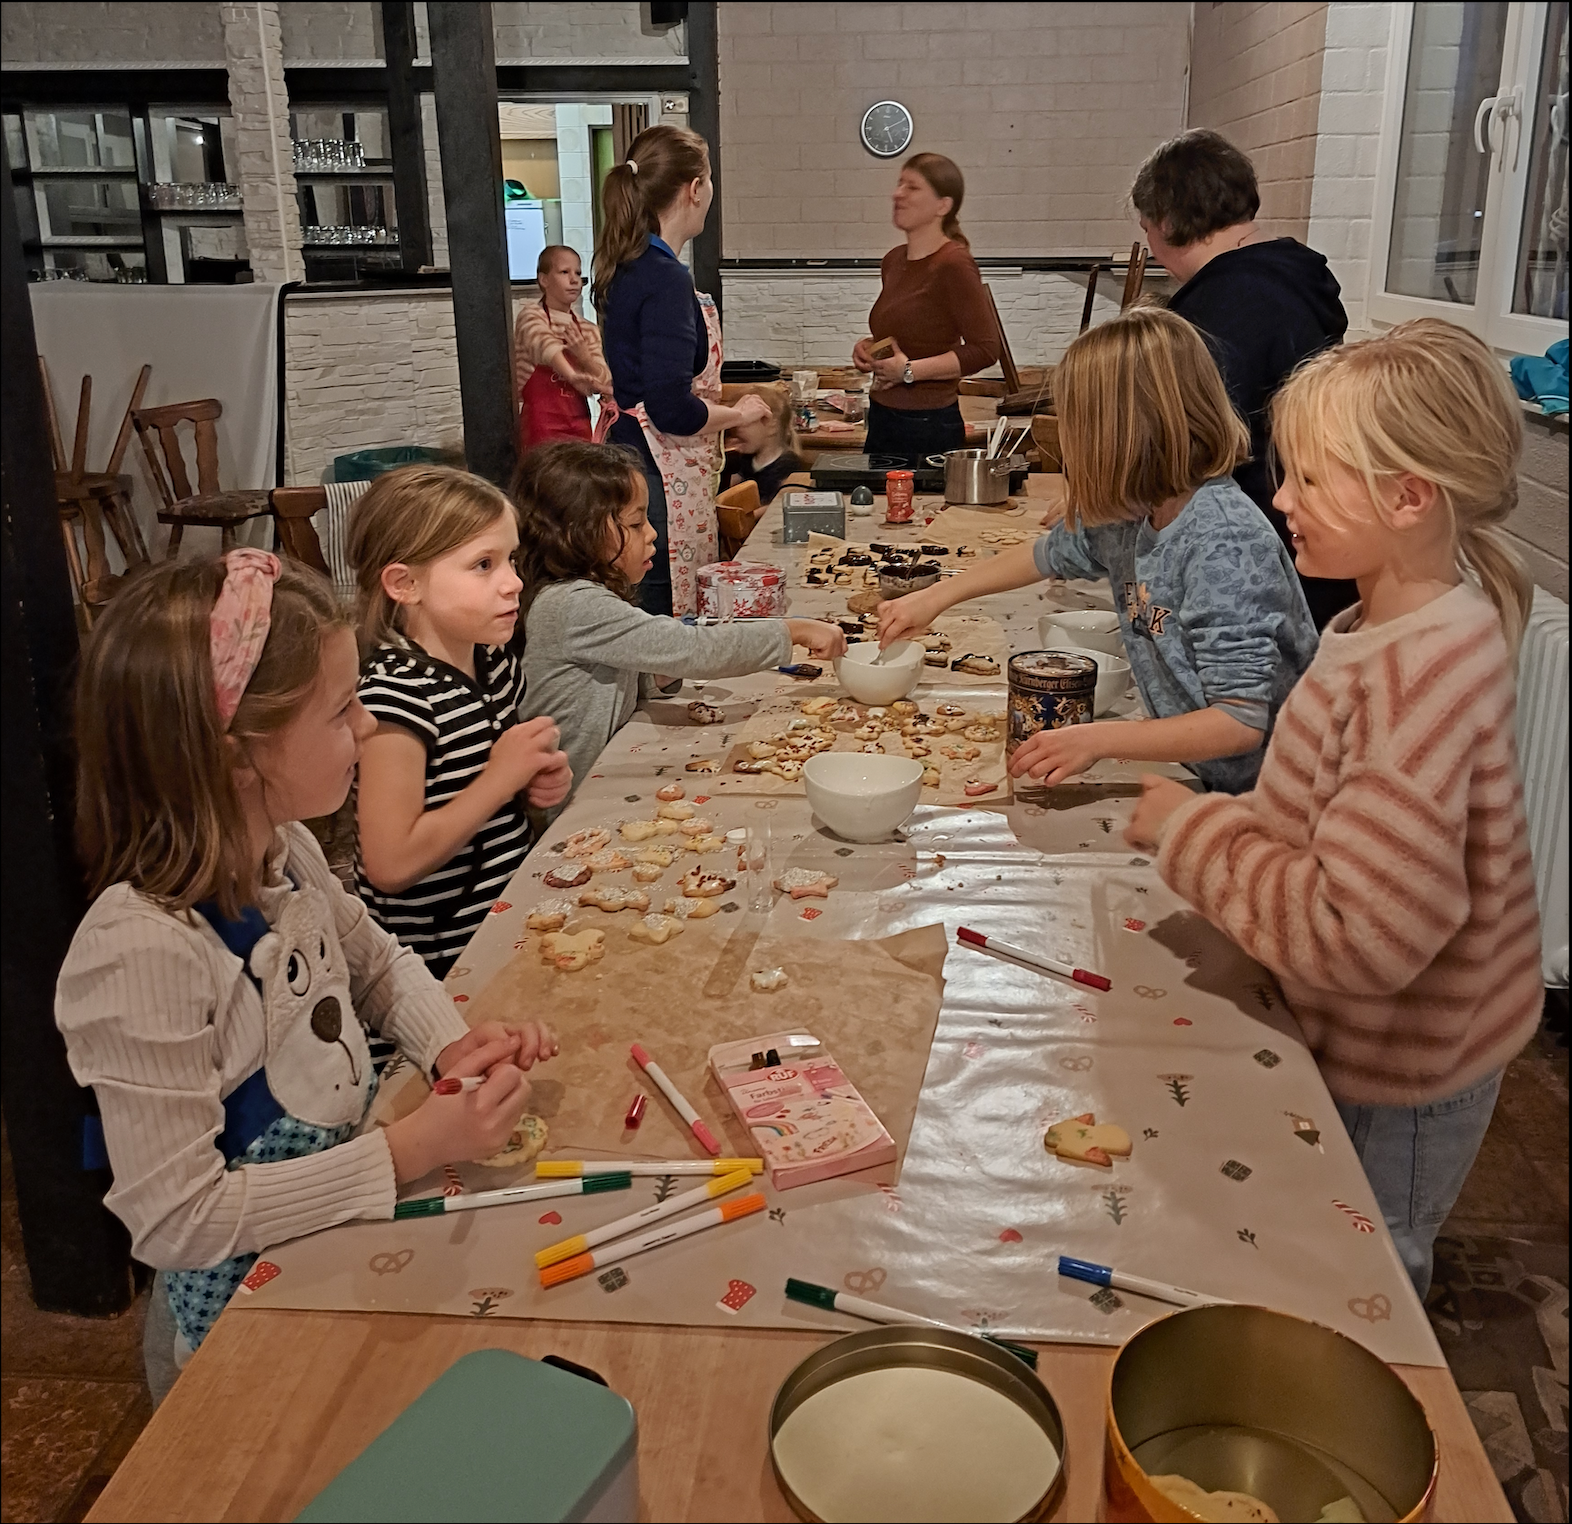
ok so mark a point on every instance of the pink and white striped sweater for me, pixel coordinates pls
(1381, 867)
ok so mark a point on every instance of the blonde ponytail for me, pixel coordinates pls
(661, 160)
(1425, 399)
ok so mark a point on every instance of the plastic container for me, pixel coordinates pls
(368, 465)
(741, 590)
(898, 491)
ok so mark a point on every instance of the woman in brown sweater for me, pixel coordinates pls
(934, 309)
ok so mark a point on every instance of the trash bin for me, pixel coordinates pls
(367, 465)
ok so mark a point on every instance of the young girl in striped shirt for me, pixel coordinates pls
(447, 778)
(1380, 868)
(217, 994)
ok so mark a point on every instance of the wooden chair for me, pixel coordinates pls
(737, 509)
(210, 505)
(1134, 275)
(293, 510)
(1012, 376)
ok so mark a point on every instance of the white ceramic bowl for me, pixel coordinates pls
(1091, 629)
(859, 796)
(891, 679)
(1113, 675)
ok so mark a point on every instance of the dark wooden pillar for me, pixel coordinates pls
(406, 141)
(78, 1255)
(704, 118)
(464, 77)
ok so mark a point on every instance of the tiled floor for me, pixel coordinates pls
(74, 1399)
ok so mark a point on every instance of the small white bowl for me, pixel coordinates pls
(891, 679)
(1088, 628)
(1113, 675)
(859, 796)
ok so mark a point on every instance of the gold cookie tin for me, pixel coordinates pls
(1243, 1399)
(933, 1349)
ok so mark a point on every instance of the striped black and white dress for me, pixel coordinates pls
(459, 720)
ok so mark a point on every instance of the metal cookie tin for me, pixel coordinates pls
(1049, 690)
(913, 1350)
(1242, 1399)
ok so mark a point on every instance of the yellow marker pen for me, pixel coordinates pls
(582, 1242)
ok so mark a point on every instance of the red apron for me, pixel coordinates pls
(549, 409)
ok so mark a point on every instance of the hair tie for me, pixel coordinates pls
(237, 627)
(633, 168)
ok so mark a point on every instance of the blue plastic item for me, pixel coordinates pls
(1543, 380)
(368, 465)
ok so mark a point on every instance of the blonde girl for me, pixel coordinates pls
(1214, 623)
(557, 359)
(217, 992)
(448, 773)
(763, 450)
(1381, 867)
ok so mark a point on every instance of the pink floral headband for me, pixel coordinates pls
(238, 625)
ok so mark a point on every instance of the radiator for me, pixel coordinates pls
(1542, 756)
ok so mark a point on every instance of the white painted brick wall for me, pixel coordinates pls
(161, 32)
(264, 157)
(1539, 526)
(809, 319)
(607, 29)
(344, 31)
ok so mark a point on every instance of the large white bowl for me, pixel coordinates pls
(891, 679)
(1089, 628)
(859, 796)
(1113, 675)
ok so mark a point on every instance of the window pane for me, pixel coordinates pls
(125, 266)
(82, 139)
(1540, 287)
(15, 146)
(92, 208)
(1454, 62)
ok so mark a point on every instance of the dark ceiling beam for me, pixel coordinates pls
(704, 118)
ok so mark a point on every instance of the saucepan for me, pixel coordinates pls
(971, 477)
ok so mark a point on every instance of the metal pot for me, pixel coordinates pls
(970, 477)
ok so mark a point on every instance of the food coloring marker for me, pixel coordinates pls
(875, 1312)
(636, 1111)
(435, 1206)
(564, 1169)
(1137, 1285)
(453, 1086)
(582, 1264)
(670, 1207)
(684, 1110)
(1036, 960)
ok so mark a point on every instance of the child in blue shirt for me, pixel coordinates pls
(1213, 617)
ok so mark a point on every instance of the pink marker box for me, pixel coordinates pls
(805, 1116)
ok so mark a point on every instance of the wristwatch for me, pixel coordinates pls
(906, 375)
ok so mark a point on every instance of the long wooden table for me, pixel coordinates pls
(277, 1402)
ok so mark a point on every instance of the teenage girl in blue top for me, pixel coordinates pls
(662, 342)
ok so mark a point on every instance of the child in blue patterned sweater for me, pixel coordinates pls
(1213, 618)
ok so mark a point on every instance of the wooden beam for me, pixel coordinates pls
(704, 119)
(464, 77)
(78, 1255)
(405, 136)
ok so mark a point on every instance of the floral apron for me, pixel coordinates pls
(687, 466)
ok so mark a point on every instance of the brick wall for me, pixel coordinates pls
(34, 32)
(1255, 76)
(331, 30)
(1048, 109)
(1539, 527)
(607, 31)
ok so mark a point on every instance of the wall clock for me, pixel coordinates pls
(886, 129)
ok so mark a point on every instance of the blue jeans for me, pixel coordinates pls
(655, 589)
(1416, 1159)
(914, 436)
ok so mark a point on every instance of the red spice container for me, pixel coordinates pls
(898, 490)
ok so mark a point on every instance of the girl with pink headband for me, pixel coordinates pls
(218, 992)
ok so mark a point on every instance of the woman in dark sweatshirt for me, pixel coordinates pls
(663, 345)
(1263, 304)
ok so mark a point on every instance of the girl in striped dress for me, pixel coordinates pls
(1380, 868)
(448, 777)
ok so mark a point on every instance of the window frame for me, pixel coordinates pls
(1490, 316)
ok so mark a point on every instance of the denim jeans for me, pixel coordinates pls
(1416, 1159)
(655, 589)
(914, 436)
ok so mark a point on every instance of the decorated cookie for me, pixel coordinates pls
(976, 787)
(586, 843)
(917, 749)
(549, 915)
(1083, 1140)
(705, 714)
(567, 877)
(655, 929)
(787, 769)
(845, 714)
(903, 709)
(978, 666)
(980, 733)
(806, 883)
(692, 910)
(608, 860)
(698, 826)
(647, 873)
(654, 857)
(525, 1141)
(869, 732)
(936, 658)
(956, 751)
(571, 952)
(759, 750)
(1223, 1507)
(822, 705)
(669, 792)
(699, 885)
(710, 842)
(768, 980)
(949, 711)
(612, 897)
(642, 830)
(930, 777)
(703, 765)
(748, 765)
(676, 811)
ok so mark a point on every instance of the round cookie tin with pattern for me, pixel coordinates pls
(916, 1423)
(1049, 690)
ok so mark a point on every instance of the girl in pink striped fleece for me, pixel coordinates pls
(1380, 868)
